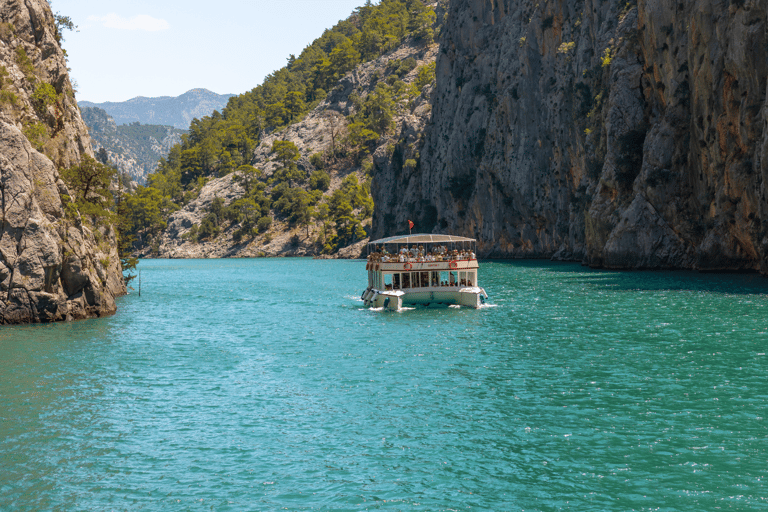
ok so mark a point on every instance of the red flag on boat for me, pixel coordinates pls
(410, 224)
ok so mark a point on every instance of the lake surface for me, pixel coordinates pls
(265, 385)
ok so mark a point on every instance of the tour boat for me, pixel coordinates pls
(423, 269)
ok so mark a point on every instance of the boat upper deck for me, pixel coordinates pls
(422, 252)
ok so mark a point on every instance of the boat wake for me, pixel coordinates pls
(386, 309)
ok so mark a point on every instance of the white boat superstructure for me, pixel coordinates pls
(423, 269)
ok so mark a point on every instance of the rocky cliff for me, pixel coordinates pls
(623, 135)
(53, 265)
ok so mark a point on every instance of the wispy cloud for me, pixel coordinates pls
(140, 22)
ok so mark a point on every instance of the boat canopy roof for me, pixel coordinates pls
(420, 238)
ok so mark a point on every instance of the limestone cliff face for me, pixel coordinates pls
(52, 266)
(623, 135)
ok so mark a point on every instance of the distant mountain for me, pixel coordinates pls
(135, 149)
(165, 110)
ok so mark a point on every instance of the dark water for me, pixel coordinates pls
(264, 385)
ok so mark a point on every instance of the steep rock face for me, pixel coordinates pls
(52, 266)
(31, 57)
(620, 135)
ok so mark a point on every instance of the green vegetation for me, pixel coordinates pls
(6, 97)
(94, 203)
(7, 30)
(62, 23)
(224, 142)
(24, 62)
(426, 75)
(44, 96)
(90, 181)
(38, 135)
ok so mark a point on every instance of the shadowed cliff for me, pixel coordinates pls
(623, 135)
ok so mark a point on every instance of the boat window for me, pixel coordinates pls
(452, 279)
(444, 278)
(462, 278)
(406, 280)
(471, 278)
(435, 279)
(387, 281)
(396, 281)
(424, 279)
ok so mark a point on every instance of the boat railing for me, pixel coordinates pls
(378, 258)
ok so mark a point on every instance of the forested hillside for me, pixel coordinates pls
(326, 184)
(135, 149)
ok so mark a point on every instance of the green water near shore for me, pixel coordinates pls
(264, 385)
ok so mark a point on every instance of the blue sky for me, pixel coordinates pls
(166, 47)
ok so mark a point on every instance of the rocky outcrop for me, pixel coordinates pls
(53, 266)
(623, 135)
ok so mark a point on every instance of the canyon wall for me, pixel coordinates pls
(54, 265)
(622, 135)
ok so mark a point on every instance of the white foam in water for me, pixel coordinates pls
(385, 309)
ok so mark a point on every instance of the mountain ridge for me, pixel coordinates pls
(176, 111)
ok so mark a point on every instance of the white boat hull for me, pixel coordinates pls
(472, 297)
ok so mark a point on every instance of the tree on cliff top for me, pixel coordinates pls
(90, 181)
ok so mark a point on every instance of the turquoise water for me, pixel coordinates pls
(264, 385)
